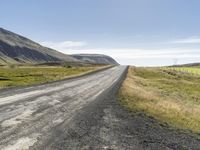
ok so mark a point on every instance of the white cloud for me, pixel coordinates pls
(141, 53)
(190, 40)
(63, 45)
(145, 57)
(140, 57)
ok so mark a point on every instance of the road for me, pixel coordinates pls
(30, 116)
(80, 113)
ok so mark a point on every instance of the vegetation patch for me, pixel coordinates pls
(29, 75)
(169, 96)
(189, 70)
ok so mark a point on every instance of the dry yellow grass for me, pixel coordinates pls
(170, 98)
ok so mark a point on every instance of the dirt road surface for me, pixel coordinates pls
(81, 113)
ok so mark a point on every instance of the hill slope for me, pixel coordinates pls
(95, 58)
(18, 49)
(192, 65)
(188, 65)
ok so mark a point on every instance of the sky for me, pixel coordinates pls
(134, 32)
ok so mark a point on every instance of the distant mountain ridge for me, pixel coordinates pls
(18, 49)
(96, 58)
(189, 65)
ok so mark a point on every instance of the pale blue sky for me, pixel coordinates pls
(137, 32)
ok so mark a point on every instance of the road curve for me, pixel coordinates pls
(29, 117)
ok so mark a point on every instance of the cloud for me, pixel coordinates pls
(190, 40)
(62, 46)
(145, 57)
(140, 57)
(141, 53)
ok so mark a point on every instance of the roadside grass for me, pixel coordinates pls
(191, 70)
(167, 95)
(29, 75)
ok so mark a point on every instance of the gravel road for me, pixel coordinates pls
(81, 113)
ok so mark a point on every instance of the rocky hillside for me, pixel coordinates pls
(95, 58)
(16, 49)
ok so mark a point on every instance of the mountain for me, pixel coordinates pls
(16, 49)
(95, 58)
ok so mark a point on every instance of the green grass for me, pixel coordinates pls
(168, 95)
(29, 75)
(191, 70)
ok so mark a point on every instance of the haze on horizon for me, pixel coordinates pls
(135, 32)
